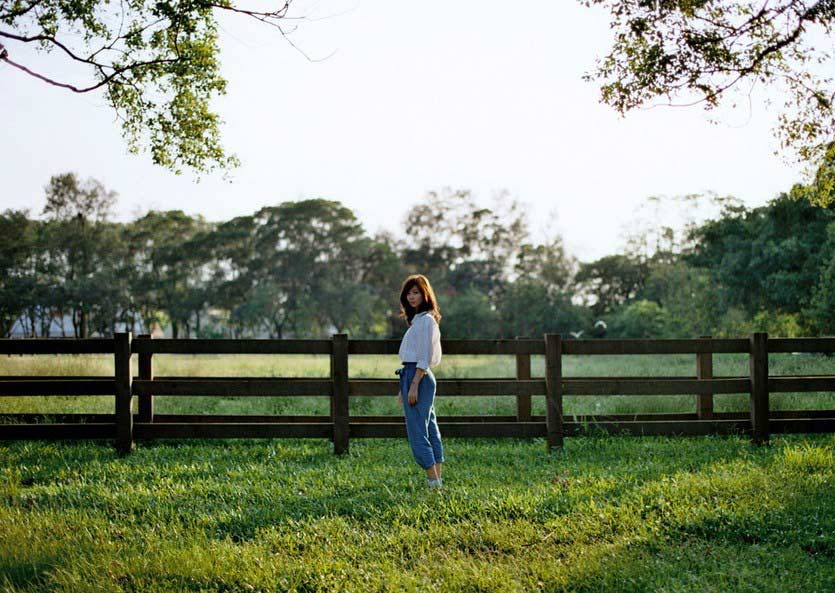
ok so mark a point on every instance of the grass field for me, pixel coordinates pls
(604, 514)
(383, 366)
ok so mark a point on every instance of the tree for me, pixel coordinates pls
(300, 248)
(531, 308)
(548, 263)
(459, 244)
(688, 296)
(19, 251)
(76, 236)
(468, 315)
(696, 51)
(768, 258)
(611, 281)
(640, 319)
(155, 60)
(169, 253)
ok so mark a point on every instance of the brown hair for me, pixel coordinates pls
(430, 303)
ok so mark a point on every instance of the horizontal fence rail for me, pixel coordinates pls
(124, 426)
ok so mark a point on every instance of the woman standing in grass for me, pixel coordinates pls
(420, 349)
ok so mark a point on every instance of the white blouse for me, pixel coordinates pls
(422, 342)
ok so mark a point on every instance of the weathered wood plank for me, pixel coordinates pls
(758, 367)
(679, 346)
(802, 425)
(241, 418)
(801, 345)
(508, 347)
(523, 373)
(123, 375)
(446, 387)
(704, 372)
(56, 346)
(59, 386)
(230, 346)
(375, 346)
(146, 373)
(554, 391)
(653, 386)
(254, 430)
(801, 384)
(339, 398)
(248, 386)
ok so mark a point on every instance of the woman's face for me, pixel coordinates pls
(414, 296)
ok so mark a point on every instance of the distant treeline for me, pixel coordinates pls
(308, 268)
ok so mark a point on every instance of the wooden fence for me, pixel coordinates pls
(124, 427)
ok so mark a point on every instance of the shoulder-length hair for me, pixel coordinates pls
(430, 303)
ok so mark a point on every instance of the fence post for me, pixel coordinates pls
(553, 391)
(146, 373)
(523, 372)
(124, 377)
(758, 368)
(339, 397)
(704, 370)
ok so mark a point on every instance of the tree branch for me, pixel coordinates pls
(276, 14)
(108, 78)
(54, 42)
(16, 13)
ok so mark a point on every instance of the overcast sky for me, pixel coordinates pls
(417, 97)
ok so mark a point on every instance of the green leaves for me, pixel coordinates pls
(700, 51)
(157, 63)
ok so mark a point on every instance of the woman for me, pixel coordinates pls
(420, 349)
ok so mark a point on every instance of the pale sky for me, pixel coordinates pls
(417, 97)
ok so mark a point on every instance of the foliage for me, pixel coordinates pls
(469, 315)
(697, 51)
(640, 319)
(155, 61)
(822, 307)
(611, 281)
(529, 309)
(19, 250)
(768, 258)
(548, 263)
(169, 250)
(81, 249)
(315, 259)
(688, 296)
(459, 244)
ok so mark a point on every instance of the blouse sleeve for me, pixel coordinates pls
(428, 338)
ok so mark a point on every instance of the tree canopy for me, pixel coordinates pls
(155, 60)
(698, 51)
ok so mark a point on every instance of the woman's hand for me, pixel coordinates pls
(399, 398)
(413, 394)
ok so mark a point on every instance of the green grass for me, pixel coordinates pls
(383, 366)
(604, 514)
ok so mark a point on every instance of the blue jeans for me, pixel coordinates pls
(421, 423)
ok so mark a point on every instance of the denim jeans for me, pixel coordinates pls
(421, 423)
